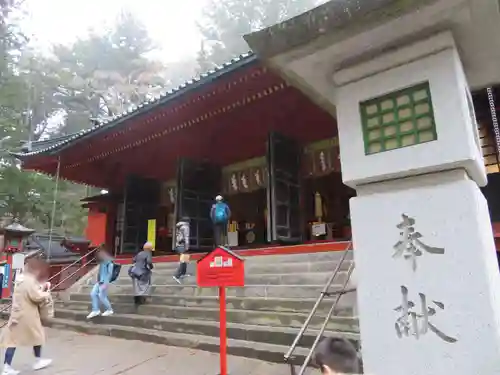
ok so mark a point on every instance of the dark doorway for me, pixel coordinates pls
(140, 204)
(197, 185)
(283, 159)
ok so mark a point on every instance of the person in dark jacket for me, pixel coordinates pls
(220, 215)
(141, 272)
(182, 247)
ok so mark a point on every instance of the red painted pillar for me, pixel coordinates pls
(223, 339)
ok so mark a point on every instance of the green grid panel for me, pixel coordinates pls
(399, 119)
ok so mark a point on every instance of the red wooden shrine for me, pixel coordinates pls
(222, 118)
(224, 121)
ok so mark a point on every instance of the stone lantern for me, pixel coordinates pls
(13, 235)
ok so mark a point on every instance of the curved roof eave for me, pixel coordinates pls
(56, 145)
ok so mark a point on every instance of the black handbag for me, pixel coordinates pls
(134, 273)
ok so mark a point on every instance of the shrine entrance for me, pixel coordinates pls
(140, 204)
(264, 196)
(244, 190)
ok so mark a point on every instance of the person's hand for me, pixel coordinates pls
(103, 286)
(46, 286)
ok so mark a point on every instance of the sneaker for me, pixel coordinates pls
(177, 280)
(108, 313)
(93, 314)
(42, 363)
(7, 370)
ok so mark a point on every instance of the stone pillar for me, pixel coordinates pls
(428, 279)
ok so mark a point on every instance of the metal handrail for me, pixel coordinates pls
(324, 293)
(325, 323)
(71, 275)
(77, 261)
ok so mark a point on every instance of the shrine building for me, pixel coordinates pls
(240, 131)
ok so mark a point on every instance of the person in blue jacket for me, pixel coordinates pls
(99, 292)
(220, 215)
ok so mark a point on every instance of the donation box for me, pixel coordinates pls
(220, 268)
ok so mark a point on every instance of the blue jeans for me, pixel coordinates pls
(9, 354)
(99, 295)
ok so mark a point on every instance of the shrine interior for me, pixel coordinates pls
(247, 227)
(326, 201)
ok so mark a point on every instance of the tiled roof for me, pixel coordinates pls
(40, 241)
(56, 144)
(40, 146)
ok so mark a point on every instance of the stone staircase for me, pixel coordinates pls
(263, 318)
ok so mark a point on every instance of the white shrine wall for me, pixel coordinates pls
(435, 60)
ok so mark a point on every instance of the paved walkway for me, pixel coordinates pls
(78, 354)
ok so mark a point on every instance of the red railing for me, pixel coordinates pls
(68, 275)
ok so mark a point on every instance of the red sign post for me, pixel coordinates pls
(221, 268)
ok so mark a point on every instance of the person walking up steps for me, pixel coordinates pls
(220, 215)
(182, 247)
(99, 293)
(141, 272)
(24, 327)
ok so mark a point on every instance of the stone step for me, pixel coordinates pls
(331, 256)
(302, 257)
(258, 268)
(313, 278)
(303, 305)
(248, 332)
(242, 348)
(268, 291)
(261, 318)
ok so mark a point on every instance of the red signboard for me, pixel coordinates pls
(220, 268)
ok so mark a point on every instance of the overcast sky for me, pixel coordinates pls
(171, 23)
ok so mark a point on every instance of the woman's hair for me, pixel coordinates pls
(39, 267)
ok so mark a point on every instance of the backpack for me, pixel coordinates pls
(116, 272)
(220, 213)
